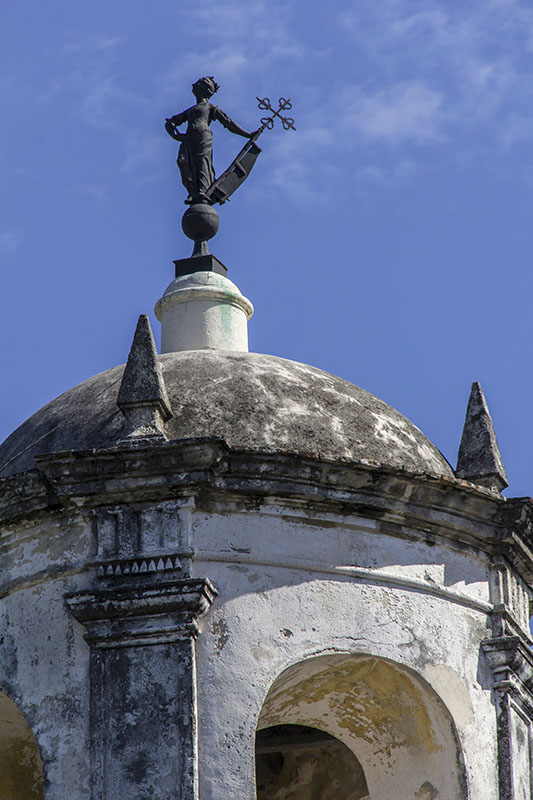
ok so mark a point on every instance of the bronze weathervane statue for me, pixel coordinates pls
(195, 158)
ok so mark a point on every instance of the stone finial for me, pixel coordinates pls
(142, 396)
(479, 459)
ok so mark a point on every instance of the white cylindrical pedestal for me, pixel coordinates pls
(201, 311)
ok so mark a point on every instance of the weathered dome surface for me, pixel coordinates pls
(254, 401)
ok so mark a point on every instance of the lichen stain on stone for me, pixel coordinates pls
(369, 698)
(21, 775)
(262, 655)
(32, 550)
(219, 629)
(427, 792)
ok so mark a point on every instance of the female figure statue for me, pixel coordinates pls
(195, 156)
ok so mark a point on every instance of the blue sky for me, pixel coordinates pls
(389, 240)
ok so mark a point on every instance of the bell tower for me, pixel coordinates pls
(228, 574)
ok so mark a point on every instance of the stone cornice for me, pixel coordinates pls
(405, 503)
(113, 474)
(511, 661)
(140, 614)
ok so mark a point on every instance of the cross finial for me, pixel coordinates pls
(284, 105)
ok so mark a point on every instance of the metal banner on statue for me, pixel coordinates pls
(236, 173)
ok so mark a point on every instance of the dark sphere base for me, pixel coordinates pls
(200, 222)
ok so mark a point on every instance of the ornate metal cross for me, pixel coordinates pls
(284, 105)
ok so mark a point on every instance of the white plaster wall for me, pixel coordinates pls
(269, 616)
(43, 657)
(279, 534)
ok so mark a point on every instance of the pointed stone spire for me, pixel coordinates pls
(142, 396)
(479, 459)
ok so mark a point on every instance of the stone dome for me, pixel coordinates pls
(253, 401)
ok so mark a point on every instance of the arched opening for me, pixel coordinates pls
(297, 762)
(21, 773)
(399, 732)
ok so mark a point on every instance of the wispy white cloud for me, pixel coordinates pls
(105, 46)
(302, 170)
(475, 58)
(262, 25)
(248, 43)
(10, 240)
(227, 21)
(93, 191)
(402, 111)
(90, 81)
(141, 151)
(231, 65)
(373, 174)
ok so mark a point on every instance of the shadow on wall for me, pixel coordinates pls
(21, 772)
(400, 734)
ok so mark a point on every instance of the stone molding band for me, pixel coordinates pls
(203, 293)
(359, 573)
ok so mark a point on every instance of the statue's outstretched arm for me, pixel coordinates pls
(228, 123)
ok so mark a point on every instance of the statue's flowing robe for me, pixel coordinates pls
(195, 156)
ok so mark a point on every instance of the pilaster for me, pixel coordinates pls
(511, 661)
(141, 618)
(143, 687)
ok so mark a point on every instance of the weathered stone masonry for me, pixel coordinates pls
(224, 547)
(140, 600)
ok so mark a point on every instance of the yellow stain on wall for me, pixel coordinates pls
(369, 698)
(21, 776)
